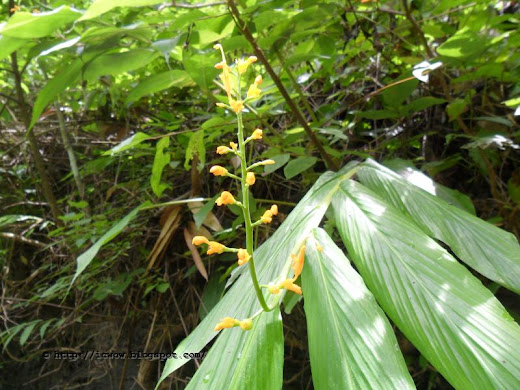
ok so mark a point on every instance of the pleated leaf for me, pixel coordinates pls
(489, 250)
(245, 359)
(445, 311)
(272, 260)
(351, 342)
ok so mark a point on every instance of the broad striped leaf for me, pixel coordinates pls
(245, 359)
(491, 251)
(445, 311)
(351, 342)
(272, 260)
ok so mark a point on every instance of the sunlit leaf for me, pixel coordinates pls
(99, 7)
(491, 251)
(116, 63)
(159, 82)
(351, 343)
(160, 161)
(445, 311)
(39, 25)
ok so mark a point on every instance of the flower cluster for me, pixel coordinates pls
(230, 78)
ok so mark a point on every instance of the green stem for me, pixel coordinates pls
(247, 214)
(245, 208)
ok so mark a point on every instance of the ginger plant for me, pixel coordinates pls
(231, 78)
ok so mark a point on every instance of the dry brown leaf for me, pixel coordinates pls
(188, 236)
(210, 221)
(170, 220)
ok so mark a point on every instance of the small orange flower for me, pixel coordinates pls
(217, 170)
(243, 256)
(250, 178)
(15, 9)
(298, 262)
(199, 240)
(225, 198)
(227, 322)
(267, 217)
(215, 247)
(246, 324)
(268, 214)
(242, 65)
(253, 91)
(236, 105)
(222, 150)
(288, 284)
(267, 162)
(257, 134)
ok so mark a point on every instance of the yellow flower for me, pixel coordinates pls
(242, 65)
(215, 247)
(199, 240)
(225, 76)
(227, 322)
(267, 162)
(267, 217)
(234, 146)
(15, 9)
(254, 91)
(288, 284)
(221, 105)
(243, 256)
(298, 262)
(217, 170)
(268, 214)
(222, 150)
(257, 134)
(236, 105)
(225, 198)
(250, 178)
(246, 324)
(273, 289)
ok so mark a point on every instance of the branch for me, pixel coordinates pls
(331, 164)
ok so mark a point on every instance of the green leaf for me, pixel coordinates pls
(348, 332)
(245, 359)
(160, 161)
(298, 165)
(128, 143)
(213, 291)
(456, 108)
(290, 300)
(271, 258)
(423, 103)
(44, 327)
(39, 25)
(279, 161)
(159, 82)
(86, 257)
(419, 179)
(116, 63)
(54, 87)
(100, 7)
(462, 45)
(27, 331)
(9, 44)
(201, 68)
(197, 148)
(445, 311)
(489, 250)
(200, 216)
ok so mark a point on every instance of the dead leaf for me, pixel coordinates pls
(195, 254)
(170, 220)
(210, 221)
